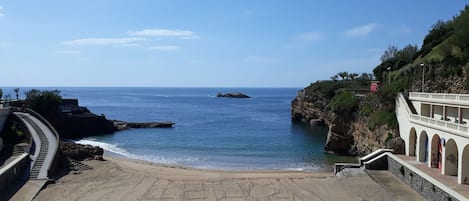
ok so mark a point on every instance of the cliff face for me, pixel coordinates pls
(82, 125)
(348, 132)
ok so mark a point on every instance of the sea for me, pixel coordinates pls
(210, 132)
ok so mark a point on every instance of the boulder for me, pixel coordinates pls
(81, 152)
(232, 95)
(397, 144)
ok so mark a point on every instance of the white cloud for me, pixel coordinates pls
(67, 52)
(184, 34)
(309, 36)
(102, 41)
(4, 45)
(165, 48)
(260, 60)
(1, 11)
(363, 30)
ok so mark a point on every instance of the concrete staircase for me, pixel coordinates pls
(40, 158)
(38, 163)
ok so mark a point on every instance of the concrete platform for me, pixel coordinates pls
(29, 190)
(391, 183)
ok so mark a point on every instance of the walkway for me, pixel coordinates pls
(400, 190)
(46, 145)
(449, 181)
(43, 155)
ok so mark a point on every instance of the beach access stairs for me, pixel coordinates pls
(41, 157)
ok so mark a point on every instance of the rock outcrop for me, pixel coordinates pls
(348, 132)
(82, 125)
(81, 152)
(232, 95)
(122, 125)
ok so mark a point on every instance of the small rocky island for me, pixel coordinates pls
(232, 95)
(122, 125)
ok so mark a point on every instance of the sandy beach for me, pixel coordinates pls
(124, 179)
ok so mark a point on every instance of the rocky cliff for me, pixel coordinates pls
(349, 133)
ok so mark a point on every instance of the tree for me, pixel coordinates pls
(407, 53)
(1, 94)
(343, 75)
(390, 53)
(334, 78)
(17, 90)
(353, 76)
(43, 102)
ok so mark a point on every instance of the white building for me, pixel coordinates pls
(435, 128)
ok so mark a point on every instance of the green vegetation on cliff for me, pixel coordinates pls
(360, 122)
(444, 55)
(44, 102)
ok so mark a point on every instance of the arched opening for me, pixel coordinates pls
(465, 166)
(436, 152)
(423, 147)
(412, 142)
(451, 158)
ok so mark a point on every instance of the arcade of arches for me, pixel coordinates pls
(440, 153)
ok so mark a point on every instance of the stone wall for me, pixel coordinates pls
(12, 172)
(4, 113)
(427, 189)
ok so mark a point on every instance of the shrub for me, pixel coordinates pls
(366, 110)
(43, 102)
(388, 93)
(344, 102)
(390, 137)
(382, 117)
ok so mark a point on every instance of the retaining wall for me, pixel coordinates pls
(426, 188)
(12, 172)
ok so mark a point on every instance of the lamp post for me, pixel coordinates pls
(423, 74)
(389, 75)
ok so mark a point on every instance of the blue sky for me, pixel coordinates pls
(204, 43)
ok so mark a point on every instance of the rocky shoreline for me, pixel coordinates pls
(348, 132)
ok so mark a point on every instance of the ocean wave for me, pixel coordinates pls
(106, 146)
(197, 162)
(150, 158)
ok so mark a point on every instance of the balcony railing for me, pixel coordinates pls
(459, 129)
(439, 123)
(460, 99)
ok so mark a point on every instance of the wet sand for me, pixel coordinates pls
(125, 179)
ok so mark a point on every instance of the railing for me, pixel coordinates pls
(459, 129)
(401, 102)
(452, 98)
(446, 124)
(12, 172)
